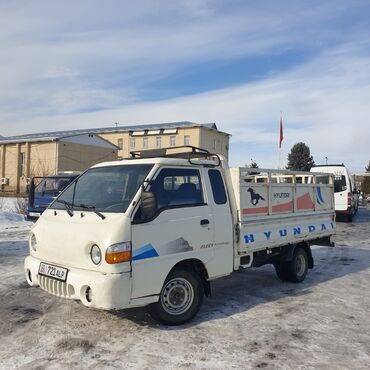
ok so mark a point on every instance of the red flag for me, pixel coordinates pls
(281, 132)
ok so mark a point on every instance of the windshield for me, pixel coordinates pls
(104, 189)
(52, 186)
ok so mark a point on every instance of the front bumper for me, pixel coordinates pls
(107, 291)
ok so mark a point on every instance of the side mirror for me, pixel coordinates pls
(148, 205)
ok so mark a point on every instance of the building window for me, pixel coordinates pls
(158, 141)
(145, 142)
(186, 140)
(172, 140)
(132, 143)
(214, 144)
(120, 143)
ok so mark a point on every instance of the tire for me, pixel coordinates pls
(180, 299)
(349, 217)
(295, 270)
(281, 270)
(298, 266)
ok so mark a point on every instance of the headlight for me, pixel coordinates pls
(33, 242)
(120, 252)
(95, 254)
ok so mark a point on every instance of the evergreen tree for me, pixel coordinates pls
(255, 165)
(300, 158)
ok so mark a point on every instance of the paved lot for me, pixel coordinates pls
(252, 321)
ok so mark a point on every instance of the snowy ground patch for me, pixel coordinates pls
(12, 224)
(252, 320)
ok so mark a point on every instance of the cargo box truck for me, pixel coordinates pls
(157, 229)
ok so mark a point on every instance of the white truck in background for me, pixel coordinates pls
(158, 228)
(345, 194)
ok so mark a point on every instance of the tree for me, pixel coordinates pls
(253, 164)
(365, 184)
(300, 158)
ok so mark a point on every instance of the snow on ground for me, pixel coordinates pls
(252, 320)
(9, 204)
(12, 225)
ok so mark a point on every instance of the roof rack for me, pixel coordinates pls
(190, 152)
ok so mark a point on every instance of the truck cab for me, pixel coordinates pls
(44, 189)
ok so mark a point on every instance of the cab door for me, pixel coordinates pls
(223, 224)
(183, 228)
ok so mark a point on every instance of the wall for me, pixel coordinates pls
(46, 158)
(79, 157)
(38, 160)
(43, 158)
(113, 138)
(214, 141)
(9, 160)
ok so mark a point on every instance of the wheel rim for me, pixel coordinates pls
(177, 296)
(300, 265)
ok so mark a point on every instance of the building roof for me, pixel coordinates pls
(58, 135)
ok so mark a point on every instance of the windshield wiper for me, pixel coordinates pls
(69, 206)
(92, 208)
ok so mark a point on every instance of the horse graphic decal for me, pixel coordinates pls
(255, 197)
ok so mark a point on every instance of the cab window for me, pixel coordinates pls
(177, 187)
(218, 188)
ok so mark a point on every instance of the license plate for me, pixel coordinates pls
(54, 272)
(34, 214)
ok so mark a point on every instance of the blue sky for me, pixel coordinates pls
(236, 63)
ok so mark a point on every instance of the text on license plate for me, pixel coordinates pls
(55, 272)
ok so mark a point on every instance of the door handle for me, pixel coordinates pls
(204, 222)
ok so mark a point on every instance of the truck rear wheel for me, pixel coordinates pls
(180, 298)
(295, 270)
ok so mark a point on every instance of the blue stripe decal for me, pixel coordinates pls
(319, 195)
(147, 251)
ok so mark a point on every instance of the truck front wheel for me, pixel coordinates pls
(294, 270)
(180, 298)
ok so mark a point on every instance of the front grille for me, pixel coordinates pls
(56, 287)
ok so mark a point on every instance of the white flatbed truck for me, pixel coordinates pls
(158, 228)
